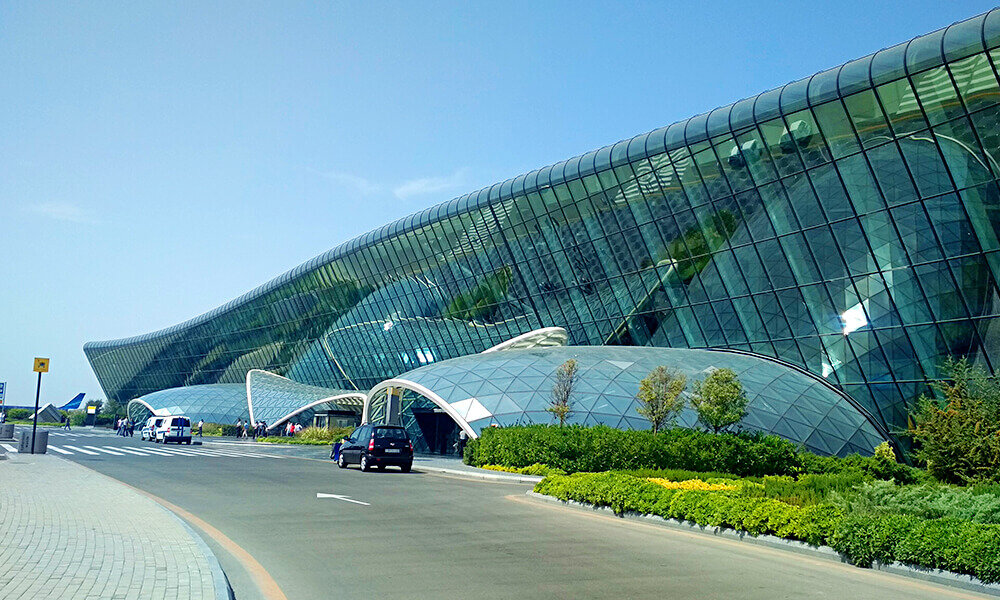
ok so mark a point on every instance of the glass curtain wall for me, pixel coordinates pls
(846, 223)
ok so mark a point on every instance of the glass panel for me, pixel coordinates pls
(937, 95)
(901, 107)
(867, 117)
(976, 82)
(836, 128)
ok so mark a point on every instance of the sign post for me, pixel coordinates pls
(41, 366)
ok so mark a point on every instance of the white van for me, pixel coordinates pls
(148, 430)
(174, 429)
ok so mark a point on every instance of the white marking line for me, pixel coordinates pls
(128, 450)
(157, 452)
(339, 497)
(234, 454)
(9, 448)
(176, 452)
(112, 452)
(81, 450)
(59, 450)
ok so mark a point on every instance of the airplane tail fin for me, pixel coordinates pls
(74, 403)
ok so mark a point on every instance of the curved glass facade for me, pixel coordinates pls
(275, 400)
(846, 223)
(214, 402)
(514, 387)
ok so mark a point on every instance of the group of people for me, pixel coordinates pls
(248, 429)
(124, 427)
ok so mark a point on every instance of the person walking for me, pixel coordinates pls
(65, 423)
(201, 424)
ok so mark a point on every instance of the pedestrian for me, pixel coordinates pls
(201, 424)
(239, 428)
(3, 417)
(65, 423)
(246, 431)
(462, 439)
(131, 428)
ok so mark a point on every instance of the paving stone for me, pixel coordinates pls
(73, 534)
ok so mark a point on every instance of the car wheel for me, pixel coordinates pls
(341, 462)
(405, 468)
(364, 462)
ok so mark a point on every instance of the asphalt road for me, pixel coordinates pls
(423, 535)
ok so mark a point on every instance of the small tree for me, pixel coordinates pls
(660, 396)
(958, 435)
(560, 406)
(719, 400)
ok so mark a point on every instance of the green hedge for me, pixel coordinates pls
(18, 414)
(601, 448)
(625, 493)
(591, 449)
(862, 537)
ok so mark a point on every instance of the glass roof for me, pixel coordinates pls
(515, 386)
(275, 399)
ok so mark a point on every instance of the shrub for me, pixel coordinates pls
(324, 434)
(602, 448)
(807, 490)
(77, 418)
(536, 469)
(19, 414)
(958, 546)
(958, 438)
(625, 493)
(876, 467)
(862, 537)
(927, 501)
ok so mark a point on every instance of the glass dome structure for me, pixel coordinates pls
(514, 387)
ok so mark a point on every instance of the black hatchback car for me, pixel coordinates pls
(377, 446)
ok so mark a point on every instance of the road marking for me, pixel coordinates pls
(9, 448)
(129, 450)
(176, 451)
(112, 452)
(157, 452)
(59, 450)
(339, 497)
(80, 450)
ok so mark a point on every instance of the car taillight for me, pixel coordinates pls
(411, 446)
(371, 444)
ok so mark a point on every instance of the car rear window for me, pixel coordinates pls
(390, 433)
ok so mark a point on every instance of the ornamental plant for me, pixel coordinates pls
(719, 400)
(958, 434)
(660, 396)
(560, 406)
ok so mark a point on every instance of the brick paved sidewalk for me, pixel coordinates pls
(68, 532)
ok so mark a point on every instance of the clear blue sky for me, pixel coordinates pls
(158, 161)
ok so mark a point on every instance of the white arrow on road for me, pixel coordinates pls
(339, 497)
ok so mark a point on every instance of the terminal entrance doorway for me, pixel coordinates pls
(439, 431)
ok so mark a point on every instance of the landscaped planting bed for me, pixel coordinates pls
(928, 525)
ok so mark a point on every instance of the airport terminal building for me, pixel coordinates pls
(832, 241)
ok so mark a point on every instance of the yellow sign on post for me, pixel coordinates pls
(41, 365)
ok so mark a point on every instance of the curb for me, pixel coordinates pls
(485, 476)
(223, 591)
(944, 578)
